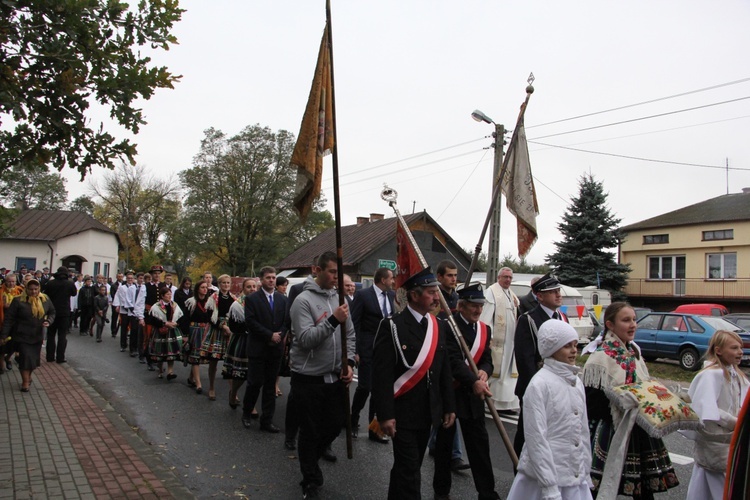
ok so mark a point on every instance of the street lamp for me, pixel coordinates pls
(493, 255)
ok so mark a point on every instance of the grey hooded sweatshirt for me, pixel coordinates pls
(316, 346)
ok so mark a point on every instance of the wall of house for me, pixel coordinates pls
(94, 246)
(688, 241)
(10, 250)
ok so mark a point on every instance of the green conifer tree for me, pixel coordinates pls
(590, 233)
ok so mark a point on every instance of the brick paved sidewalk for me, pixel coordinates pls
(63, 440)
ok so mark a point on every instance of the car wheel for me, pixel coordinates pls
(690, 359)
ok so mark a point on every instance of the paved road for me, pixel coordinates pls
(206, 446)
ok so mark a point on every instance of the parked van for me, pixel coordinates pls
(575, 309)
(702, 309)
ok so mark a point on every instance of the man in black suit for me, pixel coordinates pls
(470, 391)
(265, 316)
(528, 301)
(528, 360)
(412, 392)
(369, 307)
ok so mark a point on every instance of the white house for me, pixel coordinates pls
(54, 238)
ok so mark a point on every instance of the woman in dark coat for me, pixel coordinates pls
(26, 321)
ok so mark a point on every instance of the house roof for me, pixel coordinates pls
(727, 208)
(50, 225)
(359, 241)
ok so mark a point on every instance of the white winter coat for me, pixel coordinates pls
(557, 454)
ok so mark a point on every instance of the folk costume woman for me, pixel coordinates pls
(166, 338)
(228, 316)
(200, 306)
(617, 361)
(26, 321)
(717, 393)
(236, 361)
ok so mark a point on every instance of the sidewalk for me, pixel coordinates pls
(63, 440)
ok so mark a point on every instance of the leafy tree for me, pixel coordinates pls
(33, 188)
(57, 58)
(83, 204)
(238, 200)
(589, 229)
(139, 205)
(522, 266)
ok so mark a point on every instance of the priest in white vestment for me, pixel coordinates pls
(500, 313)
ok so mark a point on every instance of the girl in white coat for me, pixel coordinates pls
(556, 457)
(717, 393)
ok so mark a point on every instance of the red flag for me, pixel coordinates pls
(407, 263)
(315, 138)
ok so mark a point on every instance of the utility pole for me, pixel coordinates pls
(493, 255)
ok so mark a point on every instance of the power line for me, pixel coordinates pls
(641, 158)
(462, 185)
(713, 87)
(642, 118)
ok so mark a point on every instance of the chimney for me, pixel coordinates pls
(362, 220)
(374, 217)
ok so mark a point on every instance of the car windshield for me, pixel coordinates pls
(722, 324)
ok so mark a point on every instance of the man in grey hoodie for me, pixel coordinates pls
(318, 377)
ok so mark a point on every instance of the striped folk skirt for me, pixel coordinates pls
(236, 361)
(165, 344)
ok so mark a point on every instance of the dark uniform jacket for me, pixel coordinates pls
(527, 303)
(262, 322)
(425, 404)
(528, 359)
(367, 313)
(467, 404)
(60, 290)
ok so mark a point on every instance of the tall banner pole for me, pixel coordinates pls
(390, 195)
(339, 243)
(498, 186)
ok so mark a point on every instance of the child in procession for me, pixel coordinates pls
(556, 458)
(717, 393)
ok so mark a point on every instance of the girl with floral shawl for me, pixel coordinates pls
(617, 361)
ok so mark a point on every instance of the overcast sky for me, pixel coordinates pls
(409, 73)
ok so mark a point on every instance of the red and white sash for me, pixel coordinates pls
(418, 370)
(480, 341)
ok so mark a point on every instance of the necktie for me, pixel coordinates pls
(385, 305)
(424, 324)
(555, 315)
(270, 301)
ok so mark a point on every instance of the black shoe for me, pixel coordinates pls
(99, 340)
(255, 416)
(355, 431)
(382, 438)
(122, 349)
(50, 360)
(170, 376)
(290, 445)
(458, 464)
(270, 428)
(310, 491)
(61, 361)
(328, 455)
(151, 368)
(133, 354)
(142, 361)
(191, 382)
(247, 423)
(9, 365)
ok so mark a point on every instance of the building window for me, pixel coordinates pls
(106, 270)
(97, 268)
(666, 267)
(723, 234)
(722, 266)
(654, 239)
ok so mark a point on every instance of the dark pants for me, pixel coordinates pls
(58, 331)
(100, 323)
(519, 440)
(261, 374)
(478, 451)
(291, 421)
(362, 392)
(320, 409)
(115, 323)
(87, 314)
(406, 475)
(124, 325)
(136, 335)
